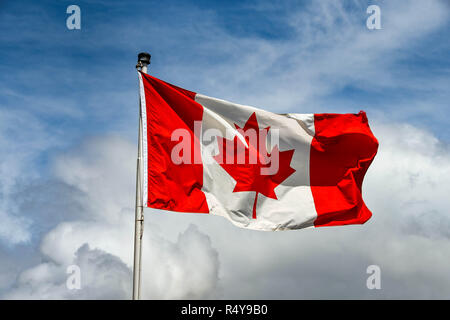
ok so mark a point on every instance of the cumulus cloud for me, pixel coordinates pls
(101, 276)
(406, 237)
(100, 242)
(406, 190)
(23, 138)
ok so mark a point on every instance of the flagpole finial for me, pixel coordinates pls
(143, 61)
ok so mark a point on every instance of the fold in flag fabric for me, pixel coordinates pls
(258, 169)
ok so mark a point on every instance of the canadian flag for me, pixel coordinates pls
(260, 170)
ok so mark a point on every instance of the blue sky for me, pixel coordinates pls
(68, 95)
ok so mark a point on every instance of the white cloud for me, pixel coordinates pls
(101, 242)
(330, 48)
(405, 188)
(23, 138)
(102, 276)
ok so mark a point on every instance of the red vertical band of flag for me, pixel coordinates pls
(342, 149)
(173, 187)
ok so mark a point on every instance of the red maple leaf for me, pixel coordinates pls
(246, 164)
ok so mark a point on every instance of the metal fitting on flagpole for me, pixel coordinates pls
(143, 61)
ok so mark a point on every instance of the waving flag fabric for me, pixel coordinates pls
(260, 170)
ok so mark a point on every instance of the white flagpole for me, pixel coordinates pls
(143, 62)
